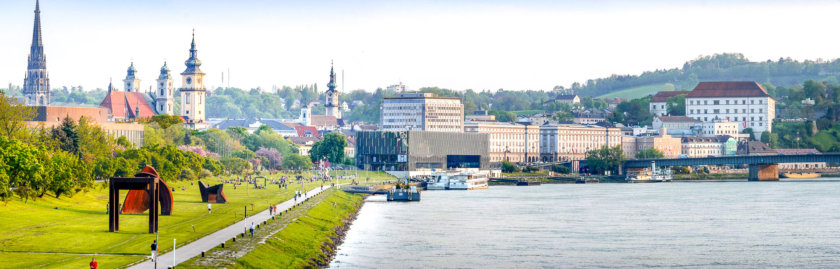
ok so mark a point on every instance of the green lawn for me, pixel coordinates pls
(640, 91)
(79, 225)
(527, 112)
(299, 244)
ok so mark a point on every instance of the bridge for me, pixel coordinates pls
(762, 167)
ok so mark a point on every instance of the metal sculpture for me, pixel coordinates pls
(147, 182)
(212, 194)
(137, 201)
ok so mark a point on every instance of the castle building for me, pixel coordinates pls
(132, 83)
(163, 97)
(331, 102)
(745, 102)
(193, 92)
(36, 84)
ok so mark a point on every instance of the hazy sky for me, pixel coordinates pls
(514, 45)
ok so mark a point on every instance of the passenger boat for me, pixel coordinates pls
(650, 176)
(440, 181)
(469, 181)
(410, 194)
(800, 175)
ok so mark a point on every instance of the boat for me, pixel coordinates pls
(650, 175)
(440, 181)
(469, 181)
(800, 175)
(410, 194)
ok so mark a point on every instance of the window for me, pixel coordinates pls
(705, 102)
(187, 99)
(716, 102)
(760, 118)
(743, 102)
(752, 110)
(705, 111)
(752, 118)
(691, 111)
(759, 102)
(744, 110)
(727, 110)
(760, 110)
(736, 119)
(752, 102)
(716, 111)
(727, 102)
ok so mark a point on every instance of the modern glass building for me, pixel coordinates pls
(420, 150)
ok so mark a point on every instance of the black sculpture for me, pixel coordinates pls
(212, 194)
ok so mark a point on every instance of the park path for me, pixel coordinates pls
(215, 239)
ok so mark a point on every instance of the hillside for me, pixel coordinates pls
(731, 67)
(640, 91)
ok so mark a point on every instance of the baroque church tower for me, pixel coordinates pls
(331, 104)
(193, 91)
(36, 84)
(132, 83)
(163, 98)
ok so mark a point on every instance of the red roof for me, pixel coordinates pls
(728, 89)
(664, 95)
(306, 131)
(324, 121)
(124, 105)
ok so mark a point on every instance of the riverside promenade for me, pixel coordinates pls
(215, 239)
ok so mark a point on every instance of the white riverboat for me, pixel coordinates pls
(650, 175)
(439, 181)
(469, 181)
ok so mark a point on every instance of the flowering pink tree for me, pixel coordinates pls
(275, 158)
(200, 151)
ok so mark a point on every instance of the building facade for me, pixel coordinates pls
(193, 92)
(331, 103)
(422, 111)
(515, 143)
(566, 142)
(659, 102)
(719, 127)
(671, 147)
(701, 147)
(412, 151)
(36, 83)
(570, 99)
(745, 102)
(675, 122)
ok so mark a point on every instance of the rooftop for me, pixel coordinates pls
(664, 95)
(677, 119)
(728, 89)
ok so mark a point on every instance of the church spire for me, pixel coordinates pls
(193, 63)
(36, 52)
(331, 85)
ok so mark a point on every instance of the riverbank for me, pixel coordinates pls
(308, 240)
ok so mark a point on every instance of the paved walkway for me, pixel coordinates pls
(206, 243)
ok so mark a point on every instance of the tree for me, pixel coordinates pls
(749, 131)
(650, 153)
(236, 166)
(605, 159)
(297, 162)
(503, 116)
(275, 159)
(64, 173)
(13, 117)
(67, 136)
(164, 120)
(330, 148)
(508, 167)
(20, 169)
(676, 105)
(770, 139)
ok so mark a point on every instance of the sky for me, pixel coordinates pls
(457, 44)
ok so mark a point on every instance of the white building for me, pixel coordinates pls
(164, 96)
(517, 143)
(745, 102)
(701, 147)
(563, 142)
(675, 122)
(720, 127)
(659, 102)
(422, 111)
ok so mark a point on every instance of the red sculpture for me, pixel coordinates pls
(137, 201)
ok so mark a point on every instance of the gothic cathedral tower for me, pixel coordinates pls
(36, 84)
(164, 96)
(331, 103)
(193, 91)
(132, 83)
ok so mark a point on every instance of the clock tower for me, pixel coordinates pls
(193, 91)
(331, 102)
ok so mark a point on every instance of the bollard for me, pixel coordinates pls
(202, 254)
(234, 239)
(223, 244)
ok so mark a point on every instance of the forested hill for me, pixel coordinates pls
(781, 72)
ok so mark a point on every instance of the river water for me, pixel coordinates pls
(694, 225)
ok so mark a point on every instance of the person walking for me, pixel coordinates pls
(209, 208)
(93, 263)
(252, 229)
(154, 250)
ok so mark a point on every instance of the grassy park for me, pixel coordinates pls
(639, 92)
(67, 232)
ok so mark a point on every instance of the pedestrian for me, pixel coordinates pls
(154, 250)
(209, 208)
(93, 263)
(270, 210)
(252, 229)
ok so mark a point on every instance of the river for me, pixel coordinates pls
(680, 224)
